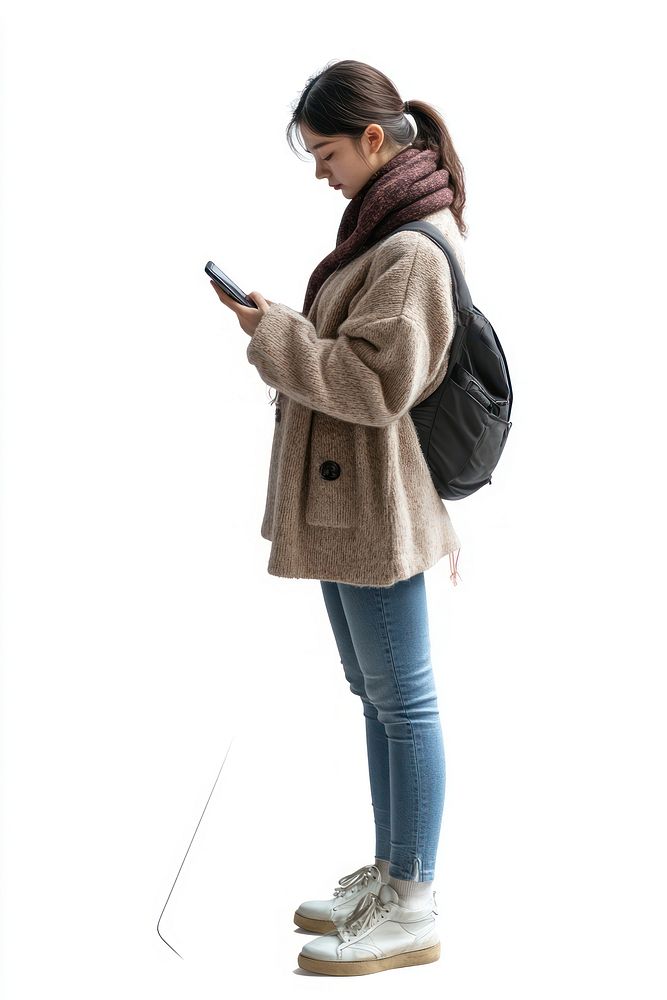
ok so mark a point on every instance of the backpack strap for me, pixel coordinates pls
(460, 291)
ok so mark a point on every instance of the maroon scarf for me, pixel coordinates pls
(405, 188)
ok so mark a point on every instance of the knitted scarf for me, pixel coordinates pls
(405, 188)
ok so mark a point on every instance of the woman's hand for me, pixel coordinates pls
(248, 317)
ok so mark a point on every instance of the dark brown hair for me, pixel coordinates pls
(347, 96)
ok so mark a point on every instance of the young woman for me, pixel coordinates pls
(350, 500)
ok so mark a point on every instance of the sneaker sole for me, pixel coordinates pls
(313, 924)
(421, 957)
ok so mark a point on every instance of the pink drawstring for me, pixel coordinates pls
(454, 571)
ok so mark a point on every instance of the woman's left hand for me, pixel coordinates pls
(248, 317)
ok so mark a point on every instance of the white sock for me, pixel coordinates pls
(384, 868)
(412, 895)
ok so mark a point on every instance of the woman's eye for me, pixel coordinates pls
(329, 156)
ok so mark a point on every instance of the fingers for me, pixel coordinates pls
(260, 300)
(224, 298)
(239, 309)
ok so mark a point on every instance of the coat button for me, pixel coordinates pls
(330, 470)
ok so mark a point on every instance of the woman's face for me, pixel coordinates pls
(337, 159)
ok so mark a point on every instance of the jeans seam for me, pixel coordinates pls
(409, 721)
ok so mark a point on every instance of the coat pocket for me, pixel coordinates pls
(332, 475)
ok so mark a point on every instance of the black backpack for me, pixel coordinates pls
(463, 425)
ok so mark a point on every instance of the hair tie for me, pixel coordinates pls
(406, 107)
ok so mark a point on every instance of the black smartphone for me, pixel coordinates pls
(228, 285)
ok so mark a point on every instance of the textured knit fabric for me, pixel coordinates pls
(375, 342)
(408, 186)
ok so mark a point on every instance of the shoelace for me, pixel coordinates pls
(363, 875)
(368, 912)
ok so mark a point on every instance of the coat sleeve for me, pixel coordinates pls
(392, 345)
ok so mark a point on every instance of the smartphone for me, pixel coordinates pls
(228, 285)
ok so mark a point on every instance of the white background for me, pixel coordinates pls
(142, 638)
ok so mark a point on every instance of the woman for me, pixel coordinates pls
(350, 500)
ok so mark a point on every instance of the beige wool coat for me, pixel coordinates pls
(349, 496)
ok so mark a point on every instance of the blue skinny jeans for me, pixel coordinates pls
(383, 639)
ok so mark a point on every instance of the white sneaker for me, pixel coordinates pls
(377, 934)
(322, 915)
